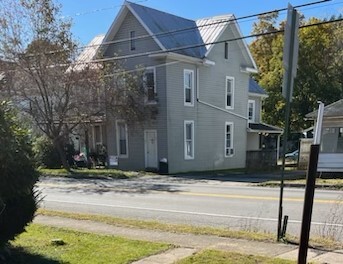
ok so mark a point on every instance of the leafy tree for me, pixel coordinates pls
(17, 176)
(319, 75)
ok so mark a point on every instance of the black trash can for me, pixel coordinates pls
(163, 168)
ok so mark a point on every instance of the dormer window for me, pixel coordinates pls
(132, 40)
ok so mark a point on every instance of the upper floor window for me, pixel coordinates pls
(229, 151)
(188, 82)
(226, 50)
(189, 139)
(149, 80)
(132, 40)
(122, 140)
(230, 87)
(251, 111)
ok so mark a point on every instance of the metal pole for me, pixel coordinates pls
(289, 78)
(284, 149)
(308, 203)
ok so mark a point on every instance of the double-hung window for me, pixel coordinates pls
(251, 111)
(188, 83)
(230, 89)
(132, 40)
(229, 151)
(189, 139)
(149, 80)
(122, 139)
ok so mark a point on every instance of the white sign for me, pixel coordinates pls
(290, 51)
(113, 160)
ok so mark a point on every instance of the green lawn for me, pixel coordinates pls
(336, 184)
(36, 247)
(220, 257)
(90, 173)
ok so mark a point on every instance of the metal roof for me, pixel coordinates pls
(255, 88)
(89, 53)
(160, 22)
(261, 127)
(212, 27)
(333, 110)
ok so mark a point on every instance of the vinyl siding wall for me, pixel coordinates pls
(209, 123)
(136, 158)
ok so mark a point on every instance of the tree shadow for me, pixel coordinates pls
(18, 255)
(237, 176)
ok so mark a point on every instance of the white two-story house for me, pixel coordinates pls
(199, 78)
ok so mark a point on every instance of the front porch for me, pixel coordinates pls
(263, 146)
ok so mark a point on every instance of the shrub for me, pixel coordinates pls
(17, 176)
(46, 154)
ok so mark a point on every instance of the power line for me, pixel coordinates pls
(205, 44)
(103, 9)
(194, 46)
(185, 29)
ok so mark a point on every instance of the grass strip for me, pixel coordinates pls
(90, 173)
(159, 226)
(316, 242)
(219, 257)
(334, 184)
(50, 245)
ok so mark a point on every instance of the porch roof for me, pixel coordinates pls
(332, 110)
(264, 128)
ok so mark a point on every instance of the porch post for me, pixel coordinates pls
(278, 148)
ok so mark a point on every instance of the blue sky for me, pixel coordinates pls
(91, 17)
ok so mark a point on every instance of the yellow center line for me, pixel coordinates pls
(252, 197)
(231, 196)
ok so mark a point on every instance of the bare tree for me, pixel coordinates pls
(58, 91)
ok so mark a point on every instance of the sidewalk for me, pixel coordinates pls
(188, 244)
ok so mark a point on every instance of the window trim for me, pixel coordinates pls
(252, 120)
(132, 36)
(187, 71)
(232, 92)
(118, 139)
(187, 122)
(153, 68)
(231, 139)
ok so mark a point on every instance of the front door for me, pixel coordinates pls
(150, 139)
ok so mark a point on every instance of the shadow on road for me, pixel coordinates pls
(245, 177)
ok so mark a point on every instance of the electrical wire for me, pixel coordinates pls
(184, 29)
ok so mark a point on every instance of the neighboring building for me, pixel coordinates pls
(208, 107)
(331, 147)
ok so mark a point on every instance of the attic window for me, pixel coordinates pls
(132, 40)
(226, 50)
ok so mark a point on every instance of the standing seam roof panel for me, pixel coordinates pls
(160, 22)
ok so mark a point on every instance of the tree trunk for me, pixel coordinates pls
(59, 145)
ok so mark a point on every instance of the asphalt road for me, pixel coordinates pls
(197, 202)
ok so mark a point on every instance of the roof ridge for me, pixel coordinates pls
(218, 17)
(131, 3)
